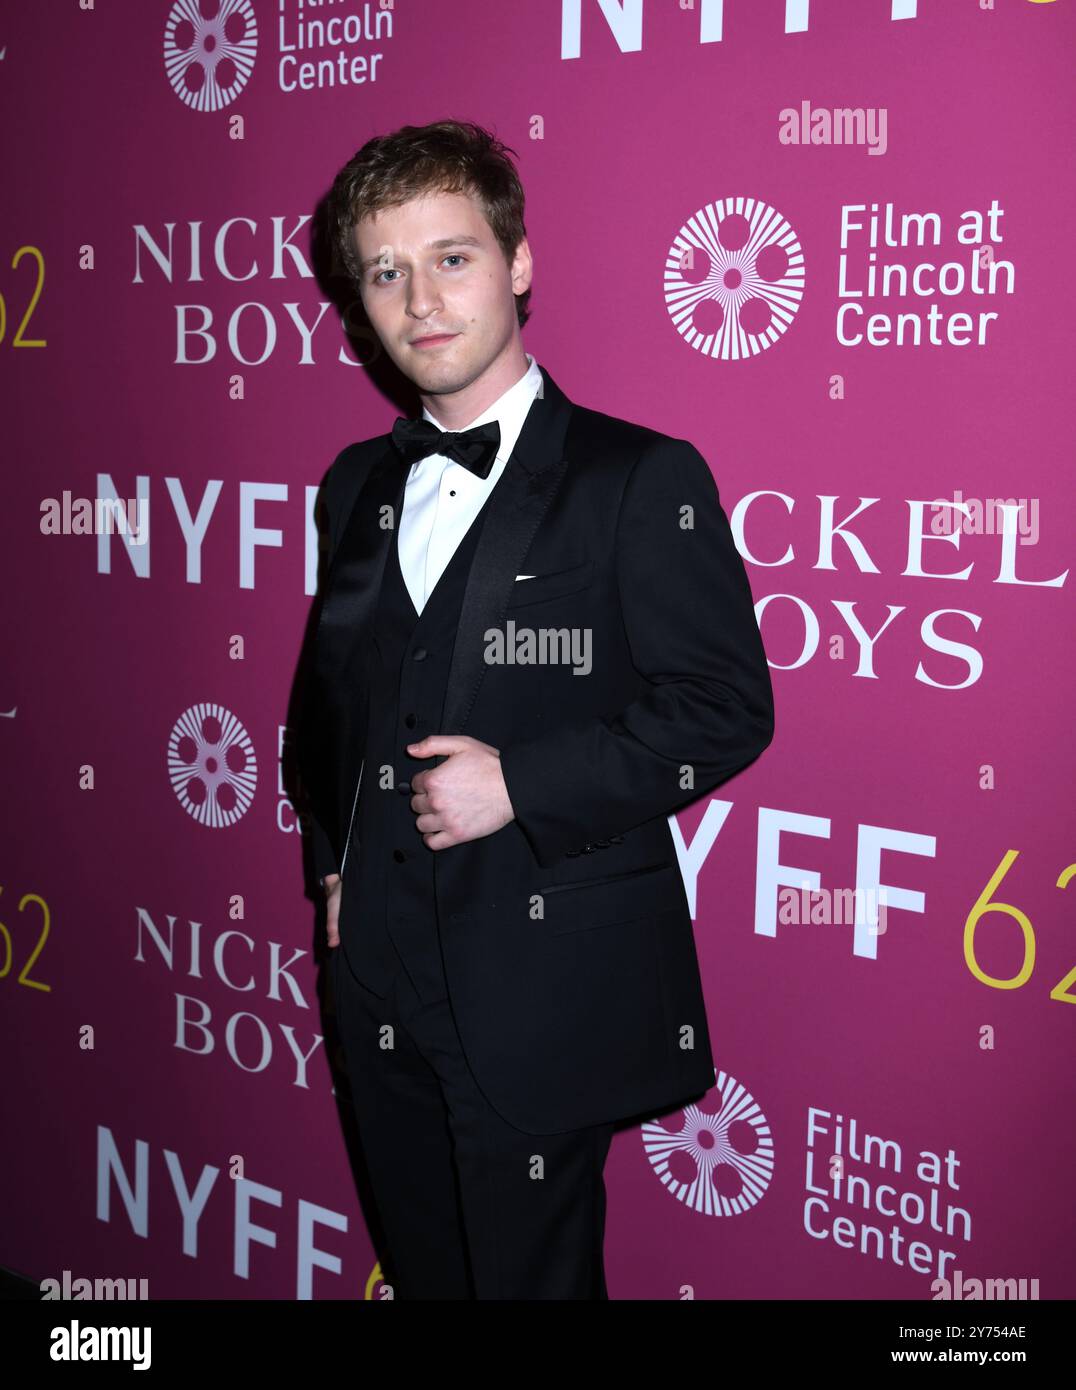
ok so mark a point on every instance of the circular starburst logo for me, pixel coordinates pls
(734, 278)
(209, 59)
(718, 1161)
(211, 765)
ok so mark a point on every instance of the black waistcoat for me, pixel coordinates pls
(388, 912)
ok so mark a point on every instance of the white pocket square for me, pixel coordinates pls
(526, 576)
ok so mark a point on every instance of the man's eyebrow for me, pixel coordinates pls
(440, 245)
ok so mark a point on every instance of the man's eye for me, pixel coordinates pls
(452, 256)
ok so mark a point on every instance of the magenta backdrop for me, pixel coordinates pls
(935, 1059)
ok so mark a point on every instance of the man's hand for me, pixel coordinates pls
(464, 798)
(332, 911)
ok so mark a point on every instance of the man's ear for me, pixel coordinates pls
(522, 267)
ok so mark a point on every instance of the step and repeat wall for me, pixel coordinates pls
(826, 241)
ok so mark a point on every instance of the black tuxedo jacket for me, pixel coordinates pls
(567, 940)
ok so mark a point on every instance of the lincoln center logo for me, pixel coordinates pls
(208, 61)
(734, 278)
(212, 765)
(716, 1163)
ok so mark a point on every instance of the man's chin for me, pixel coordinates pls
(435, 376)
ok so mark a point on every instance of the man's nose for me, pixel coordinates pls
(423, 298)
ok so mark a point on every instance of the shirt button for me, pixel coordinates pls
(419, 654)
(403, 787)
(410, 720)
(399, 855)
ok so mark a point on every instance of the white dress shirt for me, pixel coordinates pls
(442, 498)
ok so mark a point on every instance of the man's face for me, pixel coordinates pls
(444, 274)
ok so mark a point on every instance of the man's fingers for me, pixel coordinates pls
(332, 915)
(434, 744)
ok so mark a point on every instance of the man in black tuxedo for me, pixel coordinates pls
(537, 640)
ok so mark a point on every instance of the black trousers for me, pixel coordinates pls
(470, 1206)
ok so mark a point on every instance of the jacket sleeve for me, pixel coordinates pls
(690, 624)
(324, 857)
(321, 848)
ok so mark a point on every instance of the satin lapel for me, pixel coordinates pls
(358, 566)
(515, 509)
(338, 708)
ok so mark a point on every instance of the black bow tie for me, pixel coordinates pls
(474, 448)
